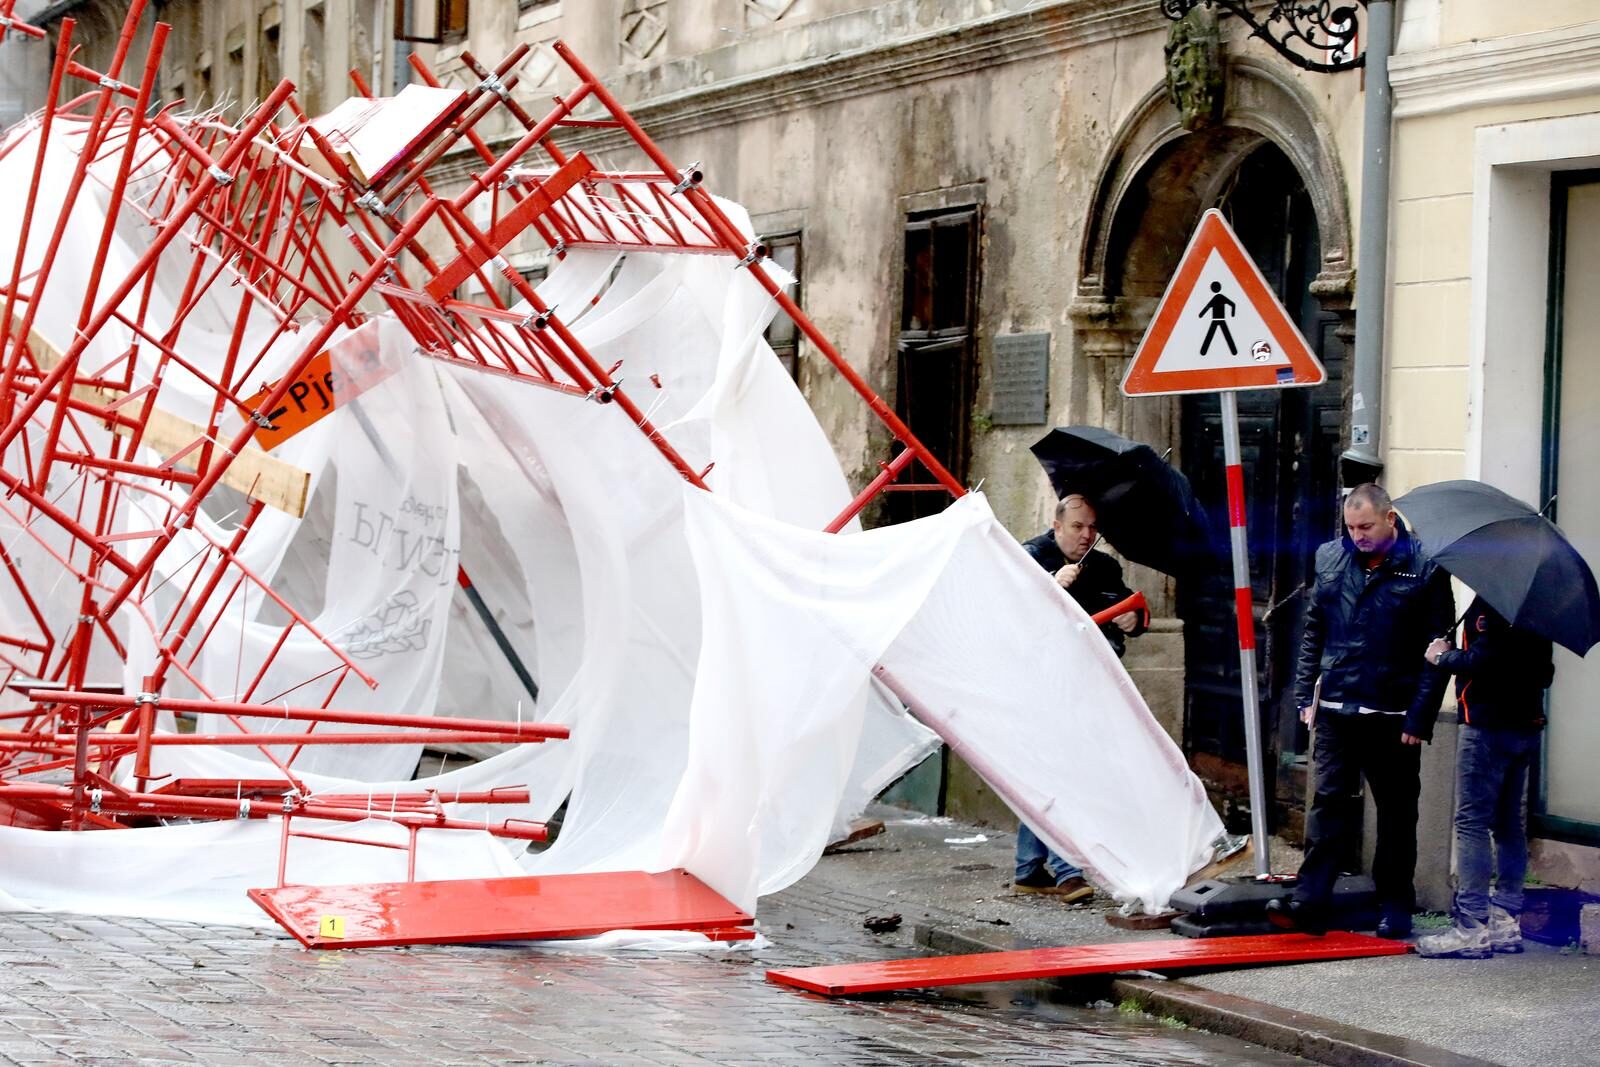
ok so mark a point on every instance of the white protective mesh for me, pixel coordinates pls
(712, 654)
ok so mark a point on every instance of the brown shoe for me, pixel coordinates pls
(1070, 891)
(1073, 890)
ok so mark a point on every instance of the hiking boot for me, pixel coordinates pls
(1074, 889)
(1036, 881)
(1070, 890)
(1505, 930)
(1467, 940)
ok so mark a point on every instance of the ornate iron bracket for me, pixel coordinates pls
(1316, 35)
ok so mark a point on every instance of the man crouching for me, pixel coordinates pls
(1094, 580)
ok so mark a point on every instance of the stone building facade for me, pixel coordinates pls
(230, 53)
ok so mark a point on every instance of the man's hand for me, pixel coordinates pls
(1409, 739)
(1439, 647)
(1068, 574)
(1127, 622)
(1308, 715)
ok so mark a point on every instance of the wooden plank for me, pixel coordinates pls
(500, 909)
(861, 828)
(252, 472)
(1158, 955)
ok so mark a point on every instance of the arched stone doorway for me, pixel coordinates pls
(1270, 168)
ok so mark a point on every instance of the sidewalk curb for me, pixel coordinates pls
(1283, 1030)
(1297, 1033)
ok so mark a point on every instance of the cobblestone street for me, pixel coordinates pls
(92, 991)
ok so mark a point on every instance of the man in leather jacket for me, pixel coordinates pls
(1376, 605)
(1094, 580)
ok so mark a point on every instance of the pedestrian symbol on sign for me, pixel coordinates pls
(1219, 308)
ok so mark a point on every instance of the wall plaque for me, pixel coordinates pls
(1020, 379)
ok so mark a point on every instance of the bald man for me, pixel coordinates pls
(1094, 580)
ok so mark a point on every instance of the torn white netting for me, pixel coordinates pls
(713, 655)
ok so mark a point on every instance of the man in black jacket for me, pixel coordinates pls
(1501, 675)
(1094, 580)
(1376, 604)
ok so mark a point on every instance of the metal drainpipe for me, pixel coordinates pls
(400, 77)
(1363, 460)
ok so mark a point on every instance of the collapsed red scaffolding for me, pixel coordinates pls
(245, 198)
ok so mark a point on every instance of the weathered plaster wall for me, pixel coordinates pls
(1540, 61)
(1475, 20)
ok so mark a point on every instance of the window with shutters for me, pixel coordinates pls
(430, 21)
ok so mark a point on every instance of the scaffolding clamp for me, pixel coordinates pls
(756, 251)
(95, 796)
(372, 202)
(493, 84)
(218, 175)
(688, 178)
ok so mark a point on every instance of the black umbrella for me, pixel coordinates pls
(1144, 507)
(1516, 559)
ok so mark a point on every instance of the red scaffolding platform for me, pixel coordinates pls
(546, 907)
(1166, 954)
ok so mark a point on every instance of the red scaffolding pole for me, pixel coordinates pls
(267, 210)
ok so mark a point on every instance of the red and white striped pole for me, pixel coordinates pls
(1243, 608)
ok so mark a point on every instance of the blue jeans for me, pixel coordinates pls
(1492, 775)
(1032, 854)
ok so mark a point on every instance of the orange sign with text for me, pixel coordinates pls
(1219, 326)
(323, 386)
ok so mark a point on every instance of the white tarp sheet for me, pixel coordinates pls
(713, 655)
(982, 645)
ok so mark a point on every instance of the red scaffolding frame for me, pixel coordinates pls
(269, 207)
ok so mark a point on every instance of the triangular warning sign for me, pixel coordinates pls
(1219, 326)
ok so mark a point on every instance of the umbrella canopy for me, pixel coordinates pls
(1516, 559)
(1144, 507)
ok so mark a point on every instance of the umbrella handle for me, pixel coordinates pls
(1136, 602)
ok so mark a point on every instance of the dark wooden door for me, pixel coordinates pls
(1289, 444)
(936, 357)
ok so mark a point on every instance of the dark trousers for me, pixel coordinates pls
(1348, 748)
(1492, 775)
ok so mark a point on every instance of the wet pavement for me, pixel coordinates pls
(120, 991)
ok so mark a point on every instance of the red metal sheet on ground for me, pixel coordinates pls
(498, 909)
(1159, 955)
